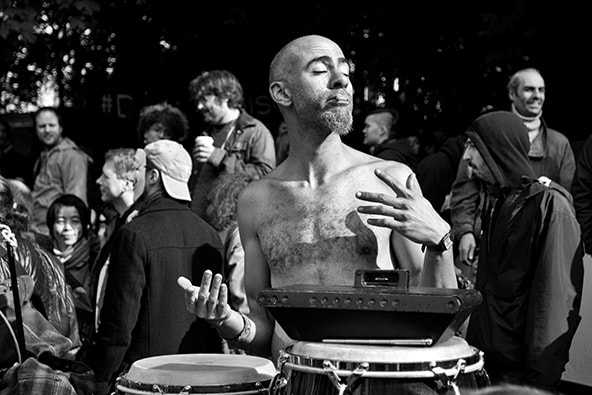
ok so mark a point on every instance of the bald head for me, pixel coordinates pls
(288, 56)
(518, 78)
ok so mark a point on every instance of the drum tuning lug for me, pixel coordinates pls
(156, 389)
(330, 369)
(186, 390)
(283, 358)
(461, 364)
(277, 383)
(354, 379)
(440, 377)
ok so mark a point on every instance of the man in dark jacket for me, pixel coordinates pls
(582, 193)
(141, 316)
(530, 263)
(436, 173)
(236, 141)
(550, 155)
(380, 135)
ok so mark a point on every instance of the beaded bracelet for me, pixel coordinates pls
(246, 334)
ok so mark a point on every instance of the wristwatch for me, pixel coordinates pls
(444, 244)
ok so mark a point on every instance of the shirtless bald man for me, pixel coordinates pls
(308, 221)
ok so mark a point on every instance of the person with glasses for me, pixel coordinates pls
(237, 141)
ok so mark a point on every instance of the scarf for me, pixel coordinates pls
(533, 124)
(76, 256)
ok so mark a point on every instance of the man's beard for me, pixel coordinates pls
(338, 120)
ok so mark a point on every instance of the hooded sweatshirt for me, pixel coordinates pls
(530, 263)
(59, 170)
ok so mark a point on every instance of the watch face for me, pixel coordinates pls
(447, 241)
(444, 244)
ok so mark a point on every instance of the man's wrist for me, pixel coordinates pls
(245, 335)
(445, 243)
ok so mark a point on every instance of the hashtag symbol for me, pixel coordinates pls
(107, 104)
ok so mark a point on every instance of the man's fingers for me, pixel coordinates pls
(412, 183)
(382, 209)
(206, 280)
(215, 289)
(373, 197)
(395, 185)
(184, 282)
(222, 301)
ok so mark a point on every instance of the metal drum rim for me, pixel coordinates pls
(473, 362)
(229, 389)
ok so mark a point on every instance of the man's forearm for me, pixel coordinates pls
(247, 332)
(438, 270)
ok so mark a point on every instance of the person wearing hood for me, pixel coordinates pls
(550, 155)
(530, 270)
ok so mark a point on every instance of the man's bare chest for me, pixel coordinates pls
(318, 240)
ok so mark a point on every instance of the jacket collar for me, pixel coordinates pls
(537, 147)
(160, 201)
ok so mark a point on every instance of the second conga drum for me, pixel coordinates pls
(198, 374)
(321, 368)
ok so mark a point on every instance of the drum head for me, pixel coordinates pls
(346, 357)
(200, 370)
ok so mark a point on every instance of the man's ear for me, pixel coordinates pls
(152, 177)
(512, 95)
(280, 94)
(129, 185)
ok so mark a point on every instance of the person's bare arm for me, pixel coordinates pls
(210, 301)
(412, 216)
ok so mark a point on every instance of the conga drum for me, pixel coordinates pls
(198, 374)
(328, 368)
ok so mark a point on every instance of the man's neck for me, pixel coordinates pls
(231, 116)
(532, 123)
(123, 203)
(318, 162)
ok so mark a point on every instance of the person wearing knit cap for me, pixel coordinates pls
(549, 152)
(530, 270)
(140, 316)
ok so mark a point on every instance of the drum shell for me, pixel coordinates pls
(392, 369)
(198, 374)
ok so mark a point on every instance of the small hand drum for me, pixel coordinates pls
(198, 374)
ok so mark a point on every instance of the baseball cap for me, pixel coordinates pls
(174, 163)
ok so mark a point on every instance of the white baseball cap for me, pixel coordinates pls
(175, 165)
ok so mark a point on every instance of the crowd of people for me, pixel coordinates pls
(504, 208)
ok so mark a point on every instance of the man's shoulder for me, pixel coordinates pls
(551, 191)
(248, 121)
(69, 148)
(556, 136)
(152, 218)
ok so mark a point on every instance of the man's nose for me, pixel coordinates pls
(466, 155)
(339, 79)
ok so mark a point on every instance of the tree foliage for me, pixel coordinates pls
(44, 42)
(451, 59)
